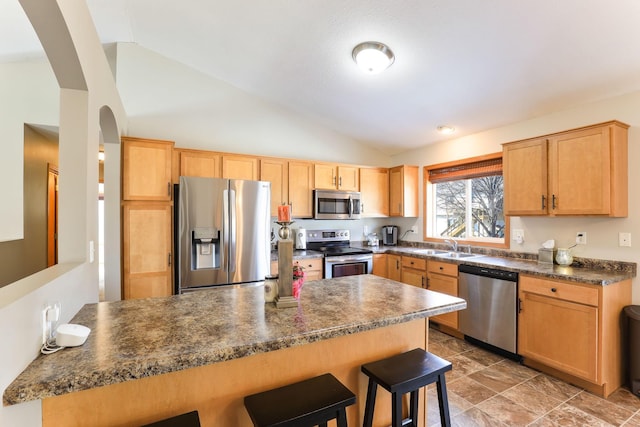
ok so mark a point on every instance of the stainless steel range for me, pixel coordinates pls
(340, 259)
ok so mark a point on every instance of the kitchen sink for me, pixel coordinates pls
(457, 255)
(430, 252)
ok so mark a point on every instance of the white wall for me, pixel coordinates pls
(64, 26)
(34, 98)
(168, 100)
(602, 233)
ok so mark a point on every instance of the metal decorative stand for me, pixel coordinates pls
(285, 297)
(285, 231)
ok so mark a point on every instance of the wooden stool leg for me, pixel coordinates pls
(371, 400)
(413, 408)
(396, 410)
(443, 402)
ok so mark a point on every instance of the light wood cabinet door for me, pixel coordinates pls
(325, 176)
(524, 168)
(240, 167)
(146, 169)
(559, 333)
(580, 172)
(374, 189)
(394, 267)
(336, 177)
(348, 178)
(200, 163)
(380, 265)
(446, 285)
(301, 189)
(403, 191)
(413, 277)
(147, 254)
(276, 171)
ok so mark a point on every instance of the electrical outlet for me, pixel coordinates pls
(518, 236)
(581, 238)
(414, 228)
(624, 239)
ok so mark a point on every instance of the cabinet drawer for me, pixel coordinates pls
(560, 290)
(442, 268)
(415, 263)
(311, 264)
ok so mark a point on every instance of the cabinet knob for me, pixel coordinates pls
(553, 289)
(441, 268)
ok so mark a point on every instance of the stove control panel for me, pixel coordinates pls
(328, 235)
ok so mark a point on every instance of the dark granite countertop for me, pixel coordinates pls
(583, 270)
(140, 338)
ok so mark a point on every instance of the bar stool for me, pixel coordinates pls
(190, 419)
(306, 403)
(407, 373)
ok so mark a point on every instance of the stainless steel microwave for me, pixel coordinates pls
(336, 204)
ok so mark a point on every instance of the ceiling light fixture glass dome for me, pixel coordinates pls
(373, 57)
(445, 129)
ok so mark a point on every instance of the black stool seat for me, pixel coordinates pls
(306, 403)
(407, 373)
(190, 419)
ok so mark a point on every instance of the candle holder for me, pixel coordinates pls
(285, 231)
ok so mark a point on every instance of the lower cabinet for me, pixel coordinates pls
(380, 265)
(394, 267)
(312, 268)
(443, 277)
(575, 329)
(414, 271)
(146, 249)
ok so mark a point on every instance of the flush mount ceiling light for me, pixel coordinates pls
(446, 130)
(373, 57)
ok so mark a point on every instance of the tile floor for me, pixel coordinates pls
(486, 389)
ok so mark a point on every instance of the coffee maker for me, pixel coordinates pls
(390, 235)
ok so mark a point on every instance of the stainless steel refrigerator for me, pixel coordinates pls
(222, 232)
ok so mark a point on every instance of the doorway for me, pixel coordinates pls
(52, 215)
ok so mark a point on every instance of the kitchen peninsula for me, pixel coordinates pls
(149, 359)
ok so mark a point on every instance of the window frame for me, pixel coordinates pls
(428, 198)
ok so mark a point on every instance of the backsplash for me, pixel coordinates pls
(597, 264)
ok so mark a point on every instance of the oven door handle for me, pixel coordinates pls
(342, 259)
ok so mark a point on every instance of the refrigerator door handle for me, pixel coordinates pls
(232, 230)
(225, 230)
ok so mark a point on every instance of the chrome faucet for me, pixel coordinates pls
(453, 243)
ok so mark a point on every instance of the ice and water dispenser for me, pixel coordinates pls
(205, 248)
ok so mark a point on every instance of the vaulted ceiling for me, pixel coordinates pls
(470, 64)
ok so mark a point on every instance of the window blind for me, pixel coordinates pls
(475, 169)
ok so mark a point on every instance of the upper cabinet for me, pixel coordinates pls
(579, 172)
(334, 177)
(403, 191)
(374, 189)
(276, 171)
(146, 169)
(301, 189)
(240, 167)
(198, 163)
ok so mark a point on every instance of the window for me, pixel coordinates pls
(465, 201)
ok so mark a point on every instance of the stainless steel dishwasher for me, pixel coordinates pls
(491, 314)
